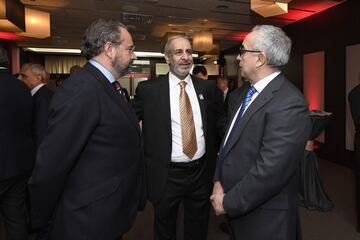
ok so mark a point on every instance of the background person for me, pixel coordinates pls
(16, 151)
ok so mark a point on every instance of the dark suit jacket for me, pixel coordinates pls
(41, 102)
(16, 143)
(152, 106)
(354, 100)
(89, 166)
(260, 168)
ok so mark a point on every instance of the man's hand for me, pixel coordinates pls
(218, 189)
(217, 202)
(217, 199)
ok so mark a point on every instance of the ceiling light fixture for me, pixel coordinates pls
(53, 50)
(268, 8)
(12, 16)
(37, 24)
(202, 41)
(78, 51)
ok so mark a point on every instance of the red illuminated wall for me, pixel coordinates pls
(314, 79)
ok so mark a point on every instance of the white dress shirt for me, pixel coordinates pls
(35, 89)
(177, 154)
(259, 86)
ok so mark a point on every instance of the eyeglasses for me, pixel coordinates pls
(180, 52)
(242, 50)
(131, 49)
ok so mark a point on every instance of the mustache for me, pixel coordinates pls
(185, 62)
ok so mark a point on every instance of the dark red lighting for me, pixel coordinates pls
(240, 36)
(11, 36)
(300, 11)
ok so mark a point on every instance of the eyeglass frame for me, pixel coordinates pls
(243, 50)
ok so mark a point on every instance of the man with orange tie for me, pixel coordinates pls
(179, 114)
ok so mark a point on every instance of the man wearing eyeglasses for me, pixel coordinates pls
(87, 181)
(179, 114)
(256, 179)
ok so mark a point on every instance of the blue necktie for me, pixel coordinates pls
(225, 149)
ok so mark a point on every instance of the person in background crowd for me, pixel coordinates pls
(354, 100)
(88, 176)
(33, 76)
(179, 116)
(16, 150)
(200, 71)
(74, 69)
(256, 179)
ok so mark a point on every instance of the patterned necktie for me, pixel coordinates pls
(188, 134)
(118, 88)
(225, 149)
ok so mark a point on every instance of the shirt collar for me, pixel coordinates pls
(35, 89)
(261, 84)
(103, 70)
(174, 80)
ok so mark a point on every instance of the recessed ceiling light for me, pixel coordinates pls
(130, 8)
(222, 7)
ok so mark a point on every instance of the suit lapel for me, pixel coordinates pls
(265, 96)
(117, 98)
(200, 94)
(164, 102)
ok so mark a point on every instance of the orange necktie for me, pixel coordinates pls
(188, 134)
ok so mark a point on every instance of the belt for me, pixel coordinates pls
(187, 165)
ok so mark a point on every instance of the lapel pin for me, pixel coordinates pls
(201, 97)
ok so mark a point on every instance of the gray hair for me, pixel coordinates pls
(36, 69)
(98, 34)
(167, 48)
(274, 43)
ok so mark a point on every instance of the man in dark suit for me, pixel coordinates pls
(16, 150)
(354, 100)
(256, 179)
(87, 180)
(33, 76)
(200, 72)
(180, 159)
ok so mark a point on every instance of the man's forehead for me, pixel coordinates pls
(180, 43)
(249, 39)
(125, 35)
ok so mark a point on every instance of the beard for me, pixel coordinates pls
(121, 66)
(121, 71)
(181, 72)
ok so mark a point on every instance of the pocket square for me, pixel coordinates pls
(201, 97)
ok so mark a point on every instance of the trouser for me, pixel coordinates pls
(357, 178)
(187, 183)
(13, 207)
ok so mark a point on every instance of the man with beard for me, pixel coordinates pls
(87, 180)
(179, 113)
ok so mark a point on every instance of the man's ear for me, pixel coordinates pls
(167, 59)
(261, 60)
(109, 50)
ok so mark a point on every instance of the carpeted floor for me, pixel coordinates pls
(336, 225)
